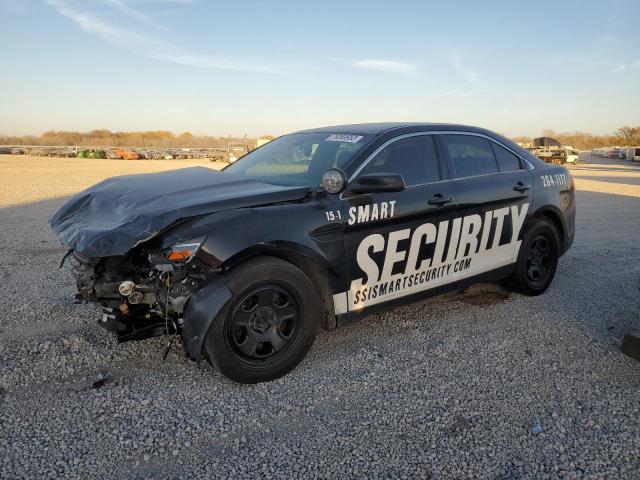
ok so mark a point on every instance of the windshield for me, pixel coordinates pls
(299, 159)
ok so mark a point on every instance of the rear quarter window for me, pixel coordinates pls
(507, 161)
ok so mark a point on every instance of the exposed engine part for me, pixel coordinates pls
(126, 288)
(135, 298)
(140, 298)
(164, 267)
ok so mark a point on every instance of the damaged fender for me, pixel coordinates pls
(199, 312)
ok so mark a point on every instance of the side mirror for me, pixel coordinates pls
(334, 180)
(378, 182)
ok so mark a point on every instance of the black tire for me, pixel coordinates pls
(269, 324)
(537, 259)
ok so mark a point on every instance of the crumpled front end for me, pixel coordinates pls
(136, 251)
(143, 293)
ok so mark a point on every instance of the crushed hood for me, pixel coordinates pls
(117, 214)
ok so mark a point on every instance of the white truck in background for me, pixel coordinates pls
(551, 150)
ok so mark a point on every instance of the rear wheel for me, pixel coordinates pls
(537, 259)
(268, 326)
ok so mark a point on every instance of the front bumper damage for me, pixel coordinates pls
(141, 299)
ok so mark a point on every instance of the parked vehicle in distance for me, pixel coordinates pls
(547, 142)
(633, 154)
(541, 152)
(602, 151)
(551, 150)
(558, 156)
(572, 156)
(111, 154)
(613, 153)
(312, 230)
(127, 154)
(92, 153)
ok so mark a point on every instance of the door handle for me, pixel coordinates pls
(521, 187)
(439, 200)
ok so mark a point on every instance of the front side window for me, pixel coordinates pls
(414, 158)
(470, 155)
(299, 159)
(507, 161)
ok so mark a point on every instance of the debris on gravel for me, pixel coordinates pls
(536, 429)
(101, 380)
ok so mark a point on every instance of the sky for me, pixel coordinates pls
(258, 67)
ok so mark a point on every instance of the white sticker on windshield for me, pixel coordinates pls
(344, 138)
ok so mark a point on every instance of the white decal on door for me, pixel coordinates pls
(467, 247)
(371, 212)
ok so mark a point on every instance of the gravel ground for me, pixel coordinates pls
(481, 384)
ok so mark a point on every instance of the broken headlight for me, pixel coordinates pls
(183, 251)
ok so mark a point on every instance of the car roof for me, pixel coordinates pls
(402, 128)
(384, 127)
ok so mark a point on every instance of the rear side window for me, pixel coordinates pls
(414, 158)
(470, 155)
(507, 161)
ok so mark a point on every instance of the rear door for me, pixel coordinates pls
(495, 192)
(392, 238)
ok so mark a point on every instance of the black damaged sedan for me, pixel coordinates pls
(311, 230)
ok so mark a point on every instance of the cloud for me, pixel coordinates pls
(135, 14)
(149, 47)
(470, 75)
(387, 66)
(634, 65)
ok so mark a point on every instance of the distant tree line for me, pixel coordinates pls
(623, 136)
(106, 138)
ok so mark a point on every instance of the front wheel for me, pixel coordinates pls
(537, 259)
(268, 326)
